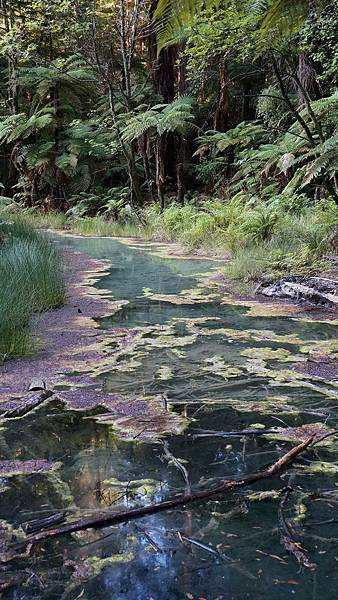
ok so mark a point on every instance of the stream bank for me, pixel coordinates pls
(207, 364)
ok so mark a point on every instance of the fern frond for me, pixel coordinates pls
(172, 16)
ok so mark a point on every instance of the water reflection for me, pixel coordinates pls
(166, 556)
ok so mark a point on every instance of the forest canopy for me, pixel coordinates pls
(120, 103)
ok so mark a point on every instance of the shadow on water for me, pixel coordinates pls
(224, 549)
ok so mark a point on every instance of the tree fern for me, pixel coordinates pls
(278, 17)
(17, 127)
(170, 16)
(161, 118)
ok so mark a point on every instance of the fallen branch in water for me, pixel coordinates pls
(137, 513)
(178, 464)
(287, 536)
(27, 404)
(209, 433)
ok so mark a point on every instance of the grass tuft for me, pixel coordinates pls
(31, 281)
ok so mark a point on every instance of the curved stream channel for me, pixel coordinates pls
(223, 369)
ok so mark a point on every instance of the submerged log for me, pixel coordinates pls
(136, 513)
(316, 290)
(37, 384)
(27, 404)
(44, 523)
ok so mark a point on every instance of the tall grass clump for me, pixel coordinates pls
(35, 218)
(31, 281)
(104, 227)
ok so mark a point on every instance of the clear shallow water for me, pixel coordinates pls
(146, 559)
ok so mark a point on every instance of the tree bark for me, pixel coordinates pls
(221, 117)
(162, 69)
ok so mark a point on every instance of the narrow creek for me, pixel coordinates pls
(221, 369)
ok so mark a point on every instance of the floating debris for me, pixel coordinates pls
(164, 373)
(304, 432)
(143, 418)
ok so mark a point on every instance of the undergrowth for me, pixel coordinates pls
(31, 281)
(264, 240)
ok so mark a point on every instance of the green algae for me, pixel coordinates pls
(93, 565)
(271, 336)
(326, 347)
(217, 366)
(257, 366)
(178, 353)
(185, 297)
(272, 405)
(264, 309)
(239, 334)
(281, 354)
(170, 341)
(263, 496)
(234, 334)
(139, 487)
(321, 467)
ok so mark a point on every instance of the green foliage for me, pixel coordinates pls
(251, 119)
(37, 219)
(112, 203)
(264, 241)
(271, 108)
(102, 227)
(172, 15)
(319, 41)
(212, 35)
(31, 282)
(260, 223)
(290, 162)
(161, 118)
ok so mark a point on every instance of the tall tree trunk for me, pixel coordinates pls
(162, 70)
(182, 141)
(160, 171)
(12, 91)
(221, 117)
(144, 151)
(288, 102)
(307, 77)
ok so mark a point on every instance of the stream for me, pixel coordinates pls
(220, 368)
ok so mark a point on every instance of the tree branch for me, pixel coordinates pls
(183, 500)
